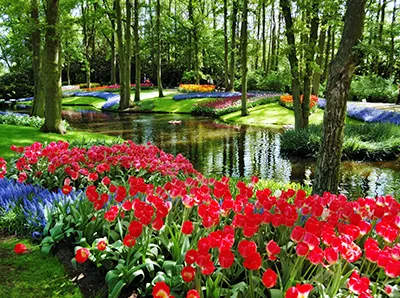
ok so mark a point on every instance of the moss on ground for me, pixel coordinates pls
(32, 274)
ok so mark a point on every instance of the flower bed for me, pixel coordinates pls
(196, 88)
(153, 222)
(286, 100)
(207, 95)
(368, 114)
(25, 120)
(70, 88)
(116, 88)
(225, 105)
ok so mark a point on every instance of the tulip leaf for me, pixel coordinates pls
(275, 293)
(117, 289)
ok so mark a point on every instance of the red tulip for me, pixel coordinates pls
(226, 259)
(101, 245)
(82, 254)
(392, 269)
(19, 248)
(253, 261)
(188, 273)
(297, 234)
(331, 255)
(161, 290)
(129, 241)
(135, 229)
(192, 294)
(273, 248)
(269, 278)
(187, 227)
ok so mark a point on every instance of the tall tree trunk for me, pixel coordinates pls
(233, 45)
(137, 52)
(269, 46)
(121, 54)
(294, 62)
(68, 71)
(38, 97)
(258, 20)
(226, 48)
(309, 59)
(113, 52)
(264, 40)
(276, 66)
(392, 36)
(382, 22)
(128, 56)
(86, 43)
(319, 60)
(243, 38)
(273, 40)
(159, 81)
(51, 69)
(340, 76)
(327, 50)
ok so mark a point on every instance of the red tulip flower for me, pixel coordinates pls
(129, 241)
(135, 229)
(192, 294)
(19, 248)
(188, 273)
(161, 290)
(253, 261)
(299, 291)
(269, 278)
(187, 227)
(226, 259)
(273, 248)
(101, 245)
(66, 189)
(82, 254)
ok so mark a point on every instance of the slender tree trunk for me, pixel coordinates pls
(269, 47)
(51, 69)
(309, 59)
(392, 36)
(69, 71)
(333, 42)
(159, 81)
(244, 112)
(340, 76)
(226, 48)
(128, 56)
(258, 19)
(327, 50)
(113, 52)
(38, 97)
(382, 22)
(137, 52)
(276, 66)
(121, 54)
(273, 40)
(317, 74)
(264, 40)
(86, 43)
(294, 62)
(233, 45)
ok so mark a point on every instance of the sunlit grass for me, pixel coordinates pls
(83, 101)
(23, 136)
(32, 274)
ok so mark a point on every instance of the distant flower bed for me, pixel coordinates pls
(368, 114)
(70, 88)
(225, 105)
(116, 88)
(196, 88)
(286, 100)
(207, 95)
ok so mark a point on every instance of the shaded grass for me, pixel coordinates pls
(23, 136)
(362, 141)
(32, 274)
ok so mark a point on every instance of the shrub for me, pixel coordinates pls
(25, 120)
(373, 89)
(278, 81)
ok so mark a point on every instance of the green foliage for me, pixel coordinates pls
(34, 121)
(278, 81)
(373, 88)
(361, 142)
(16, 85)
(189, 77)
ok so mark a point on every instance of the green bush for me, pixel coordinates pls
(34, 121)
(278, 81)
(380, 141)
(373, 89)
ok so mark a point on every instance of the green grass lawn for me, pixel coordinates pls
(168, 105)
(274, 114)
(83, 101)
(23, 136)
(32, 274)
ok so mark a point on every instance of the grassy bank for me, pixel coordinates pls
(32, 274)
(23, 136)
(365, 141)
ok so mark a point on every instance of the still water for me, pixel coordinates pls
(233, 150)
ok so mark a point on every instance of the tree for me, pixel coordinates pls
(52, 70)
(233, 45)
(38, 95)
(137, 52)
(340, 76)
(128, 56)
(159, 80)
(244, 111)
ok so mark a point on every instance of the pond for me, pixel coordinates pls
(219, 149)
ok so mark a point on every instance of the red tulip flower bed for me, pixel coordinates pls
(158, 226)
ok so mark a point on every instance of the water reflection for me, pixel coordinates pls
(236, 151)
